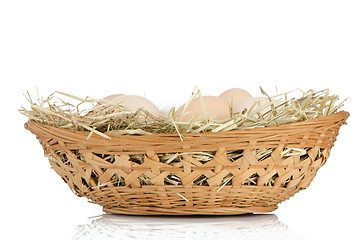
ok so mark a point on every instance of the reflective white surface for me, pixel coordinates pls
(251, 226)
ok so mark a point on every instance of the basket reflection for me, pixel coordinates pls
(249, 226)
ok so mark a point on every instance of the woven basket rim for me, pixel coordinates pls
(337, 116)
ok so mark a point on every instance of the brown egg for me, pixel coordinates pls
(134, 102)
(215, 108)
(108, 99)
(253, 103)
(234, 95)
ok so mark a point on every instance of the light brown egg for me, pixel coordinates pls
(110, 98)
(253, 103)
(215, 108)
(234, 95)
(134, 102)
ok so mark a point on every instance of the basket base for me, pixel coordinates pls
(190, 210)
(198, 200)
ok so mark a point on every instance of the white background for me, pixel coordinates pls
(162, 50)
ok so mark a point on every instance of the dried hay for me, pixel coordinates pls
(86, 114)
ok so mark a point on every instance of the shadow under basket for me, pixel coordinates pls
(222, 173)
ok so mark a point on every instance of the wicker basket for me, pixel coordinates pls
(108, 173)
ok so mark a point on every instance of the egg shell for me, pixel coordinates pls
(134, 102)
(108, 99)
(234, 95)
(165, 107)
(216, 108)
(252, 103)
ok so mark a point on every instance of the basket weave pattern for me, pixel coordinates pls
(106, 172)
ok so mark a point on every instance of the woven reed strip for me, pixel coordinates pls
(78, 169)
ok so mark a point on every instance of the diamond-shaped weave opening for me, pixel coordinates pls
(272, 180)
(144, 180)
(62, 156)
(203, 157)
(169, 158)
(304, 156)
(227, 180)
(252, 180)
(201, 180)
(137, 158)
(263, 153)
(176, 157)
(234, 155)
(117, 180)
(285, 183)
(172, 179)
(107, 157)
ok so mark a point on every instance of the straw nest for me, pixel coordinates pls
(66, 111)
